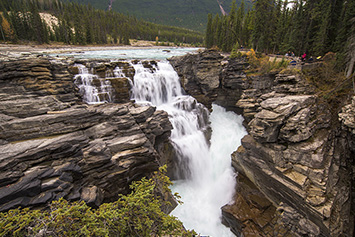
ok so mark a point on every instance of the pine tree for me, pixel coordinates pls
(209, 32)
(321, 37)
(240, 24)
(222, 36)
(88, 30)
(263, 24)
(1, 29)
(231, 34)
(216, 29)
(41, 35)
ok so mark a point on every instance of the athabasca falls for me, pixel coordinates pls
(207, 180)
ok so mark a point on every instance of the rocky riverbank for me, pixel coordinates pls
(296, 165)
(53, 145)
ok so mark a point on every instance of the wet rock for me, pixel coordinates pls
(121, 88)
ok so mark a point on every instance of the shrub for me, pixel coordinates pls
(235, 52)
(136, 214)
(260, 64)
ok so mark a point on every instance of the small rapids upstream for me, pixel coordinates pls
(94, 90)
(207, 178)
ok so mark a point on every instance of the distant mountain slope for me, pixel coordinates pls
(191, 14)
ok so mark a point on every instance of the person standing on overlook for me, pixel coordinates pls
(303, 57)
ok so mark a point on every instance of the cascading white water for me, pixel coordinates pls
(161, 87)
(203, 198)
(94, 90)
(211, 180)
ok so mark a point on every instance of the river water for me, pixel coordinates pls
(210, 181)
(155, 53)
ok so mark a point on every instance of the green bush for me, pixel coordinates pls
(235, 52)
(136, 214)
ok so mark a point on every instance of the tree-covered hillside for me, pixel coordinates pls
(81, 24)
(273, 26)
(189, 14)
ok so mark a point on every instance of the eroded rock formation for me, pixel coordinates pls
(209, 77)
(296, 155)
(52, 145)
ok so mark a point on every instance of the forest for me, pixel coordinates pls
(21, 20)
(276, 26)
(190, 14)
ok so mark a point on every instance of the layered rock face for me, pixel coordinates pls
(298, 157)
(52, 145)
(209, 77)
(296, 165)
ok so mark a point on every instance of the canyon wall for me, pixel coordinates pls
(296, 165)
(53, 145)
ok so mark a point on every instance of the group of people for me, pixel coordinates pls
(290, 54)
(303, 57)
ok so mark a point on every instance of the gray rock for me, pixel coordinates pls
(92, 196)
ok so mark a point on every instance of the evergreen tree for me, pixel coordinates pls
(222, 44)
(40, 32)
(298, 29)
(216, 28)
(264, 23)
(88, 30)
(209, 32)
(83, 24)
(239, 25)
(231, 33)
(321, 37)
(1, 29)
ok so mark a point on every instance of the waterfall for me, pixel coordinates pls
(206, 178)
(203, 198)
(210, 179)
(160, 86)
(93, 89)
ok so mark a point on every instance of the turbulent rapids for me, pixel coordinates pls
(206, 179)
(210, 179)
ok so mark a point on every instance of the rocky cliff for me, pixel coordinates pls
(209, 77)
(53, 145)
(296, 165)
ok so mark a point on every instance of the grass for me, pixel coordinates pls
(261, 64)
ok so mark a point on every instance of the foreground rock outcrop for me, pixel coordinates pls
(296, 164)
(52, 145)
